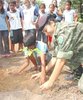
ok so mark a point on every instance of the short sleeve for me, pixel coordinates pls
(66, 42)
(22, 14)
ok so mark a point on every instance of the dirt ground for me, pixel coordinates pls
(27, 88)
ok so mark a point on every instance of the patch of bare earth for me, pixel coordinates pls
(22, 87)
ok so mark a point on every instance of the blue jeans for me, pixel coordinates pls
(4, 42)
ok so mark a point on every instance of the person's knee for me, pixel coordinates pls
(80, 84)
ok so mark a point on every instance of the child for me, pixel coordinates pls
(16, 35)
(68, 44)
(69, 15)
(51, 15)
(28, 19)
(42, 15)
(31, 52)
(57, 11)
(36, 8)
(4, 28)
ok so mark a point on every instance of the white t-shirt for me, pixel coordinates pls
(69, 15)
(28, 18)
(14, 19)
(42, 19)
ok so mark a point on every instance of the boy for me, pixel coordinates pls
(31, 52)
(16, 35)
(28, 18)
(69, 15)
(68, 49)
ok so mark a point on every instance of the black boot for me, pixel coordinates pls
(78, 72)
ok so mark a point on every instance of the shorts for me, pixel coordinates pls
(30, 31)
(49, 39)
(16, 36)
(42, 46)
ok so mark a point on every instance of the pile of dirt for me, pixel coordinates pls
(22, 87)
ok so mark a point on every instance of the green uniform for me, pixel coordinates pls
(68, 42)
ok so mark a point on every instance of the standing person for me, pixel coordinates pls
(51, 15)
(68, 44)
(16, 35)
(57, 11)
(42, 15)
(47, 3)
(36, 8)
(28, 19)
(4, 28)
(69, 15)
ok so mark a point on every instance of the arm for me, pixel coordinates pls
(25, 64)
(57, 70)
(21, 68)
(8, 24)
(22, 23)
(55, 74)
(59, 12)
(75, 17)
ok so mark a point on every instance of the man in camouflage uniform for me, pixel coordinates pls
(68, 42)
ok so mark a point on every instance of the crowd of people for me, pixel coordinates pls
(30, 28)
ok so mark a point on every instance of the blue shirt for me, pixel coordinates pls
(3, 25)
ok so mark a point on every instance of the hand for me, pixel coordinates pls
(36, 76)
(34, 23)
(47, 85)
(42, 78)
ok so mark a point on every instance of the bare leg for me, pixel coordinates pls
(20, 46)
(16, 47)
(12, 47)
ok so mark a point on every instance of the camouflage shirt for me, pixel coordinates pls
(68, 42)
